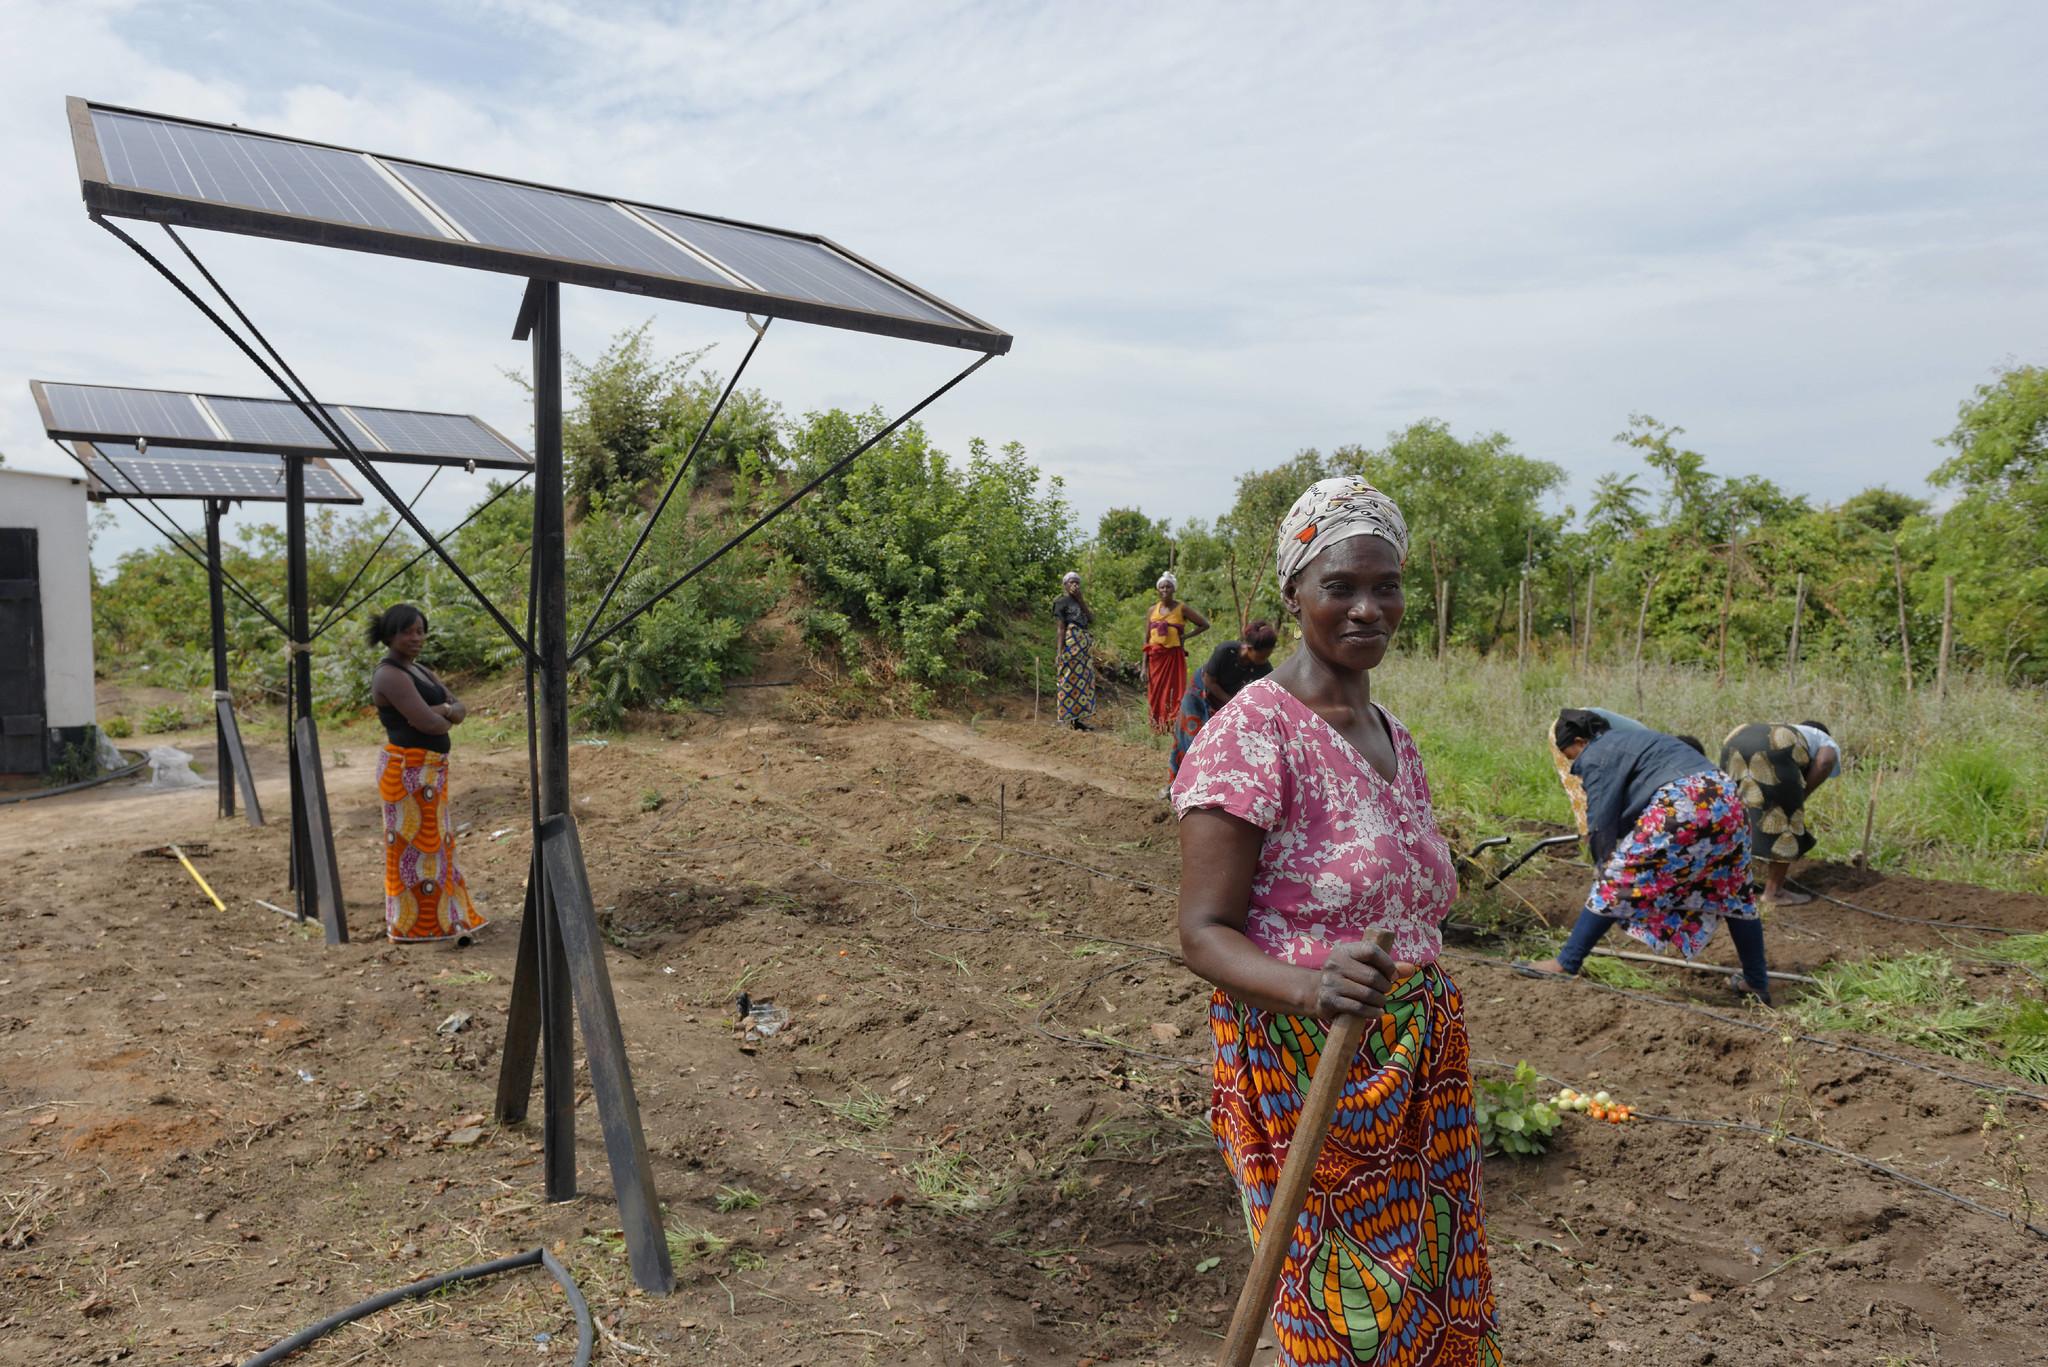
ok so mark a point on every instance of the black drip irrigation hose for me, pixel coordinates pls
(79, 786)
(586, 1331)
(1907, 920)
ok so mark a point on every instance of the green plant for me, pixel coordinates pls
(1617, 973)
(730, 1199)
(866, 1110)
(651, 801)
(164, 717)
(120, 728)
(1511, 1119)
(77, 763)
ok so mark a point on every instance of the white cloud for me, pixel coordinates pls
(1219, 232)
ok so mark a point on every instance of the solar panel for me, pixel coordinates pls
(527, 219)
(267, 426)
(302, 179)
(174, 472)
(781, 264)
(135, 164)
(154, 413)
(437, 434)
(271, 421)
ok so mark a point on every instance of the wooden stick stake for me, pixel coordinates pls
(1002, 812)
(1948, 627)
(1642, 616)
(1792, 650)
(1034, 687)
(1869, 822)
(1727, 598)
(1905, 639)
(1255, 1303)
(1586, 656)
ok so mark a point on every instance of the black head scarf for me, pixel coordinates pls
(1575, 724)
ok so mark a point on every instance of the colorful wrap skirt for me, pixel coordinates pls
(1682, 869)
(1195, 711)
(425, 895)
(1768, 764)
(1076, 673)
(1166, 679)
(1387, 1265)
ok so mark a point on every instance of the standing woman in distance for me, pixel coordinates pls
(425, 895)
(1075, 671)
(1305, 827)
(1168, 627)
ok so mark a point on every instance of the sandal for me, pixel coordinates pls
(1741, 987)
(1529, 970)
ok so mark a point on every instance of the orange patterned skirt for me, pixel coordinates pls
(1387, 1264)
(425, 895)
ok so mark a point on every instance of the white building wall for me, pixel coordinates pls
(55, 506)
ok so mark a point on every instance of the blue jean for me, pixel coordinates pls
(1746, 932)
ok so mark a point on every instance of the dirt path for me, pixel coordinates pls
(981, 1140)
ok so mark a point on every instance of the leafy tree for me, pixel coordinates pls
(1994, 540)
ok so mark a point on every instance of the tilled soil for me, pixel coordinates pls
(981, 1137)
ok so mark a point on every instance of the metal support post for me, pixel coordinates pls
(216, 596)
(317, 880)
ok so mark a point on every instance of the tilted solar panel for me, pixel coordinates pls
(220, 422)
(136, 164)
(523, 218)
(789, 265)
(83, 409)
(171, 472)
(296, 178)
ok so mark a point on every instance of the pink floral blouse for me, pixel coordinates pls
(1346, 852)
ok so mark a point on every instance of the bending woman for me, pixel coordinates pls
(1671, 841)
(1230, 667)
(1776, 768)
(425, 894)
(1305, 825)
(1168, 626)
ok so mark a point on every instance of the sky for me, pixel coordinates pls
(1219, 233)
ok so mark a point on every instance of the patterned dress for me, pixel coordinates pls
(425, 894)
(1076, 666)
(1682, 869)
(1387, 1264)
(1768, 763)
(1166, 662)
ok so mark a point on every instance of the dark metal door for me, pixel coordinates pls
(22, 730)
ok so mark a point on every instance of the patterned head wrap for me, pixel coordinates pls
(1167, 581)
(1333, 510)
(1071, 577)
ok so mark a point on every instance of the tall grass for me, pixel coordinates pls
(1962, 790)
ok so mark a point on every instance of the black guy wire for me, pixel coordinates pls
(327, 617)
(423, 553)
(318, 417)
(1908, 920)
(683, 469)
(179, 544)
(778, 510)
(190, 543)
(306, 402)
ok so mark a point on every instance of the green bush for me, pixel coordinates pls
(1511, 1119)
(120, 728)
(163, 717)
(930, 556)
(77, 763)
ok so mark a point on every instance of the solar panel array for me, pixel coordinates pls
(182, 472)
(408, 209)
(95, 412)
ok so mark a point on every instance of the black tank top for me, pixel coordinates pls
(400, 731)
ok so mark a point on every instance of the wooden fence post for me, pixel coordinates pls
(1792, 650)
(1948, 624)
(1642, 616)
(1586, 656)
(1443, 620)
(1905, 638)
(1571, 613)
(1727, 597)
(1869, 821)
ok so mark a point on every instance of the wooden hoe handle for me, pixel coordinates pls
(1255, 1302)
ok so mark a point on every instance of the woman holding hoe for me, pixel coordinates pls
(1305, 828)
